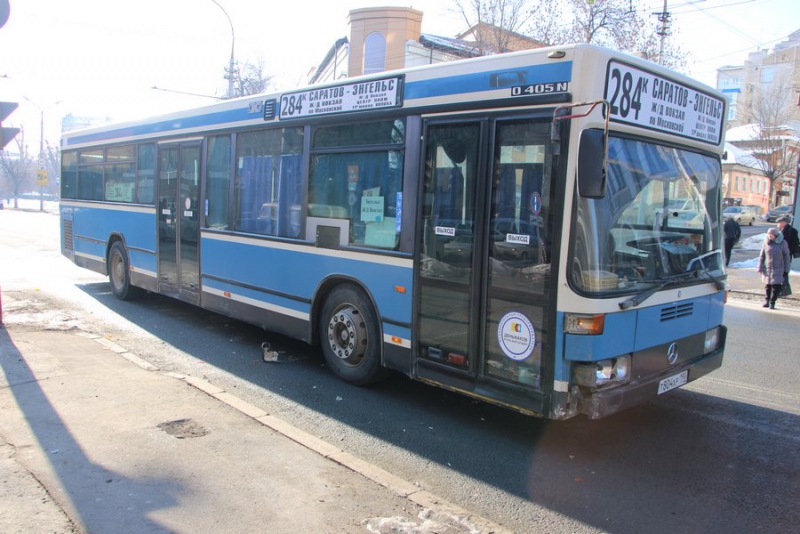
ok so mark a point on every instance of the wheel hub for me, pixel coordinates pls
(117, 271)
(347, 335)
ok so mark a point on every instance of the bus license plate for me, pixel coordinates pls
(673, 382)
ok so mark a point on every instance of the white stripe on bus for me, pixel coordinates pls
(257, 303)
(101, 259)
(110, 206)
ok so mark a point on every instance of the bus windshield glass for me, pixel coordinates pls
(654, 219)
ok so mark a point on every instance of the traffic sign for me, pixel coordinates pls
(7, 134)
(6, 108)
(41, 178)
(5, 11)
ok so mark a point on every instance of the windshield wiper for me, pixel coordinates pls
(692, 271)
(644, 295)
(701, 260)
(719, 284)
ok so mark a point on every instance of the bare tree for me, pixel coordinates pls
(494, 23)
(52, 158)
(611, 23)
(251, 78)
(17, 171)
(769, 112)
(547, 23)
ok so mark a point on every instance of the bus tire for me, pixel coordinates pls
(119, 274)
(350, 336)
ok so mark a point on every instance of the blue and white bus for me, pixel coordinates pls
(540, 230)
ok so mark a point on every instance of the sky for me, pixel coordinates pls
(102, 58)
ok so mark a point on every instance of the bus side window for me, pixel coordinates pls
(145, 173)
(218, 181)
(69, 174)
(362, 185)
(268, 183)
(120, 174)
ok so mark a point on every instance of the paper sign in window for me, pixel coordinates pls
(371, 209)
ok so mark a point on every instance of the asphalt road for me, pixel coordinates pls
(720, 455)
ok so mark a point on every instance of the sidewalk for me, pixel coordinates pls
(746, 284)
(94, 440)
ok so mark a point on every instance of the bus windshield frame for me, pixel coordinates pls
(655, 218)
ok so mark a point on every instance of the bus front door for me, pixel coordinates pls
(484, 284)
(178, 217)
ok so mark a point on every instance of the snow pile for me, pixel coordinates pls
(754, 243)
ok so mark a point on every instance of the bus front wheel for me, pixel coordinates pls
(350, 336)
(119, 274)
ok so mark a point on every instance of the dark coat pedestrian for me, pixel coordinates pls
(789, 235)
(774, 263)
(732, 234)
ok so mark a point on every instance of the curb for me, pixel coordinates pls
(792, 301)
(399, 486)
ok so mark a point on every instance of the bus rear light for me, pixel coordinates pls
(575, 323)
(456, 359)
(396, 340)
(603, 373)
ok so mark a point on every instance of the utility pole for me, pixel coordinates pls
(664, 18)
(231, 64)
(41, 174)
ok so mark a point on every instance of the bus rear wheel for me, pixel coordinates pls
(350, 336)
(119, 274)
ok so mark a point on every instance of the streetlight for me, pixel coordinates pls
(233, 41)
(185, 93)
(42, 163)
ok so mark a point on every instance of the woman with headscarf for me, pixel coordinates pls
(774, 262)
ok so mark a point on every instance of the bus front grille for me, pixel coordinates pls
(676, 312)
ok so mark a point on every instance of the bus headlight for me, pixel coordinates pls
(712, 341)
(576, 323)
(603, 373)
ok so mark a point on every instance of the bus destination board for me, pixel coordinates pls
(646, 99)
(359, 96)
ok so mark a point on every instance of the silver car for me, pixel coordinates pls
(741, 214)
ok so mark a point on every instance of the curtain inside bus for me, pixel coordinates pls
(269, 187)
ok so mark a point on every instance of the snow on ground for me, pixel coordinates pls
(30, 204)
(754, 243)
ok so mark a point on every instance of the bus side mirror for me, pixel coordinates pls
(591, 164)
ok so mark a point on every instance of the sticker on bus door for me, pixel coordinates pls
(516, 336)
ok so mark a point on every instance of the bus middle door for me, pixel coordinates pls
(178, 220)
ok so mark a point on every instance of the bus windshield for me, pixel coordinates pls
(654, 219)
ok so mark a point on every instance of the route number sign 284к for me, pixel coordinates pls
(644, 99)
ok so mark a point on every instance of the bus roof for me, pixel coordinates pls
(530, 77)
